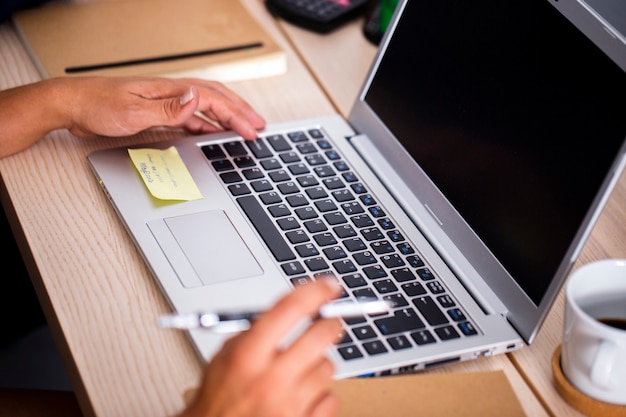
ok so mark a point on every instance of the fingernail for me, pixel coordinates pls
(187, 97)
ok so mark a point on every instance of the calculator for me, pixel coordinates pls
(317, 15)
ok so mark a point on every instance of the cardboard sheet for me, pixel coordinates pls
(213, 39)
(480, 394)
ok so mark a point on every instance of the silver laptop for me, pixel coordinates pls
(475, 161)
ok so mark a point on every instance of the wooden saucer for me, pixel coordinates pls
(578, 400)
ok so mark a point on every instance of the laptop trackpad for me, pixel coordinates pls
(204, 248)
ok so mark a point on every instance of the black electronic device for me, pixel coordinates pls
(317, 15)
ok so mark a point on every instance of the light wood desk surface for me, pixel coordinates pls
(97, 292)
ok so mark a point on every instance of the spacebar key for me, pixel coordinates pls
(266, 228)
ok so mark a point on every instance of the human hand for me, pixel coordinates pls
(254, 376)
(112, 106)
(119, 106)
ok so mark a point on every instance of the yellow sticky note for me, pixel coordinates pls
(165, 174)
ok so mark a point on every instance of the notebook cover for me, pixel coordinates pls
(473, 394)
(106, 32)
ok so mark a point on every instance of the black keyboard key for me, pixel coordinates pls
(447, 333)
(270, 164)
(415, 261)
(467, 328)
(397, 300)
(325, 239)
(297, 236)
(315, 226)
(374, 272)
(279, 143)
(364, 332)
(429, 309)
(385, 247)
(405, 248)
(391, 261)
(222, 165)
(343, 195)
(305, 148)
(344, 231)
(235, 148)
(386, 224)
(213, 152)
(288, 223)
(403, 275)
(425, 274)
(354, 280)
(307, 249)
(367, 199)
(230, 177)
(289, 187)
(279, 210)
(446, 301)
(316, 264)
(297, 137)
(350, 352)
(239, 189)
(298, 169)
(306, 213)
(344, 266)
(402, 321)
(354, 244)
(374, 347)
(362, 221)
(293, 268)
(435, 287)
(259, 148)
(372, 233)
(252, 173)
(244, 161)
(456, 314)
(316, 133)
(270, 198)
(423, 337)
(266, 228)
(364, 258)
(385, 286)
(334, 252)
(413, 288)
(362, 293)
(289, 157)
(399, 342)
(316, 193)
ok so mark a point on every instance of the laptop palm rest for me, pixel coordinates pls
(204, 248)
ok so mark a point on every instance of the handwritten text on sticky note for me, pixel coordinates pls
(165, 174)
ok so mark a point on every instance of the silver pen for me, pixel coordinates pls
(236, 321)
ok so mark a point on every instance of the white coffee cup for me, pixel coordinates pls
(593, 355)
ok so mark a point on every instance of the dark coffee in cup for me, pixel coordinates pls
(618, 323)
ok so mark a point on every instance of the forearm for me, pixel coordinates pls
(29, 112)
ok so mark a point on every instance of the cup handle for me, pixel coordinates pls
(603, 365)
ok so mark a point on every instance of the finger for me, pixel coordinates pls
(272, 326)
(327, 406)
(310, 347)
(255, 119)
(313, 387)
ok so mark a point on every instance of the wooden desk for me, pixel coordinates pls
(97, 292)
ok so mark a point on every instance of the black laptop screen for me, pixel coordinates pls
(514, 118)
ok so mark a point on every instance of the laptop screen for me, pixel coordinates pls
(513, 114)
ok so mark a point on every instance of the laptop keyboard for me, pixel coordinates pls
(317, 218)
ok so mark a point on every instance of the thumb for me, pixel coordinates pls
(176, 110)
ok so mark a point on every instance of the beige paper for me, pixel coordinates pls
(480, 394)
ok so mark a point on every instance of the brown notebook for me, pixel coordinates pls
(212, 39)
